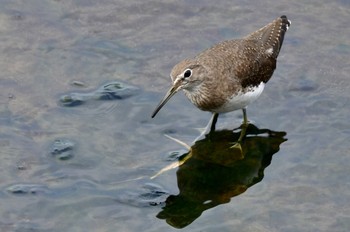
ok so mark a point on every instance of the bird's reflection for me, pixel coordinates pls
(215, 172)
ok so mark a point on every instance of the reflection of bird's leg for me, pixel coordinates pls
(244, 127)
(211, 125)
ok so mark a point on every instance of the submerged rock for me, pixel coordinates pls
(115, 91)
(71, 100)
(149, 195)
(111, 91)
(27, 189)
(62, 149)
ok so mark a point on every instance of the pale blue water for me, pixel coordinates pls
(80, 79)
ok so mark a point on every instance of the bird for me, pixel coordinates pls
(231, 74)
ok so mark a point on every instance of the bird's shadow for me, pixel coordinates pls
(214, 172)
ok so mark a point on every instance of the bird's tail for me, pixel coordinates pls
(272, 34)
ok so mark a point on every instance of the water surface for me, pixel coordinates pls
(80, 79)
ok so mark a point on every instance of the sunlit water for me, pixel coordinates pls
(80, 79)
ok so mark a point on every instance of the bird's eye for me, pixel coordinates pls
(187, 73)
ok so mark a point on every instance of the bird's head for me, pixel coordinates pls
(187, 75)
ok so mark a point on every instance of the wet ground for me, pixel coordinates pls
(80, 79)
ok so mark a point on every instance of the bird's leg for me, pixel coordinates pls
(213, 120)
(211, 125)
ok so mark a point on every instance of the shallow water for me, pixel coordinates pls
(78, 150)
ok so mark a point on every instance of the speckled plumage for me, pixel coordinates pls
(218, 78)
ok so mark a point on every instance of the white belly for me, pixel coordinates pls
(241, 99)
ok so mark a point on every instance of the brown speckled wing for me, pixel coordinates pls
(267, 43)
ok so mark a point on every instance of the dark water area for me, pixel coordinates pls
(79, 149)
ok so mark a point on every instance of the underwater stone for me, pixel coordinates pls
(149, 195)
(27, 189)
(71, 100)
(62, 149)
(111, 91)
(115, 91)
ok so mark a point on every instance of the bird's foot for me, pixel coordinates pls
(236, 149)
(236, 145)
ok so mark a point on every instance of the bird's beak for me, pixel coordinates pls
(174, 89)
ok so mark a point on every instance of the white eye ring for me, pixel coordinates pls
(187, 73)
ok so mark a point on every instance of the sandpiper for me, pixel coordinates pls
(231, 74)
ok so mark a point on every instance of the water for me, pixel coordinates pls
(80, 79)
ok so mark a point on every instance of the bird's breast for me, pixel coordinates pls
(240, 99)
